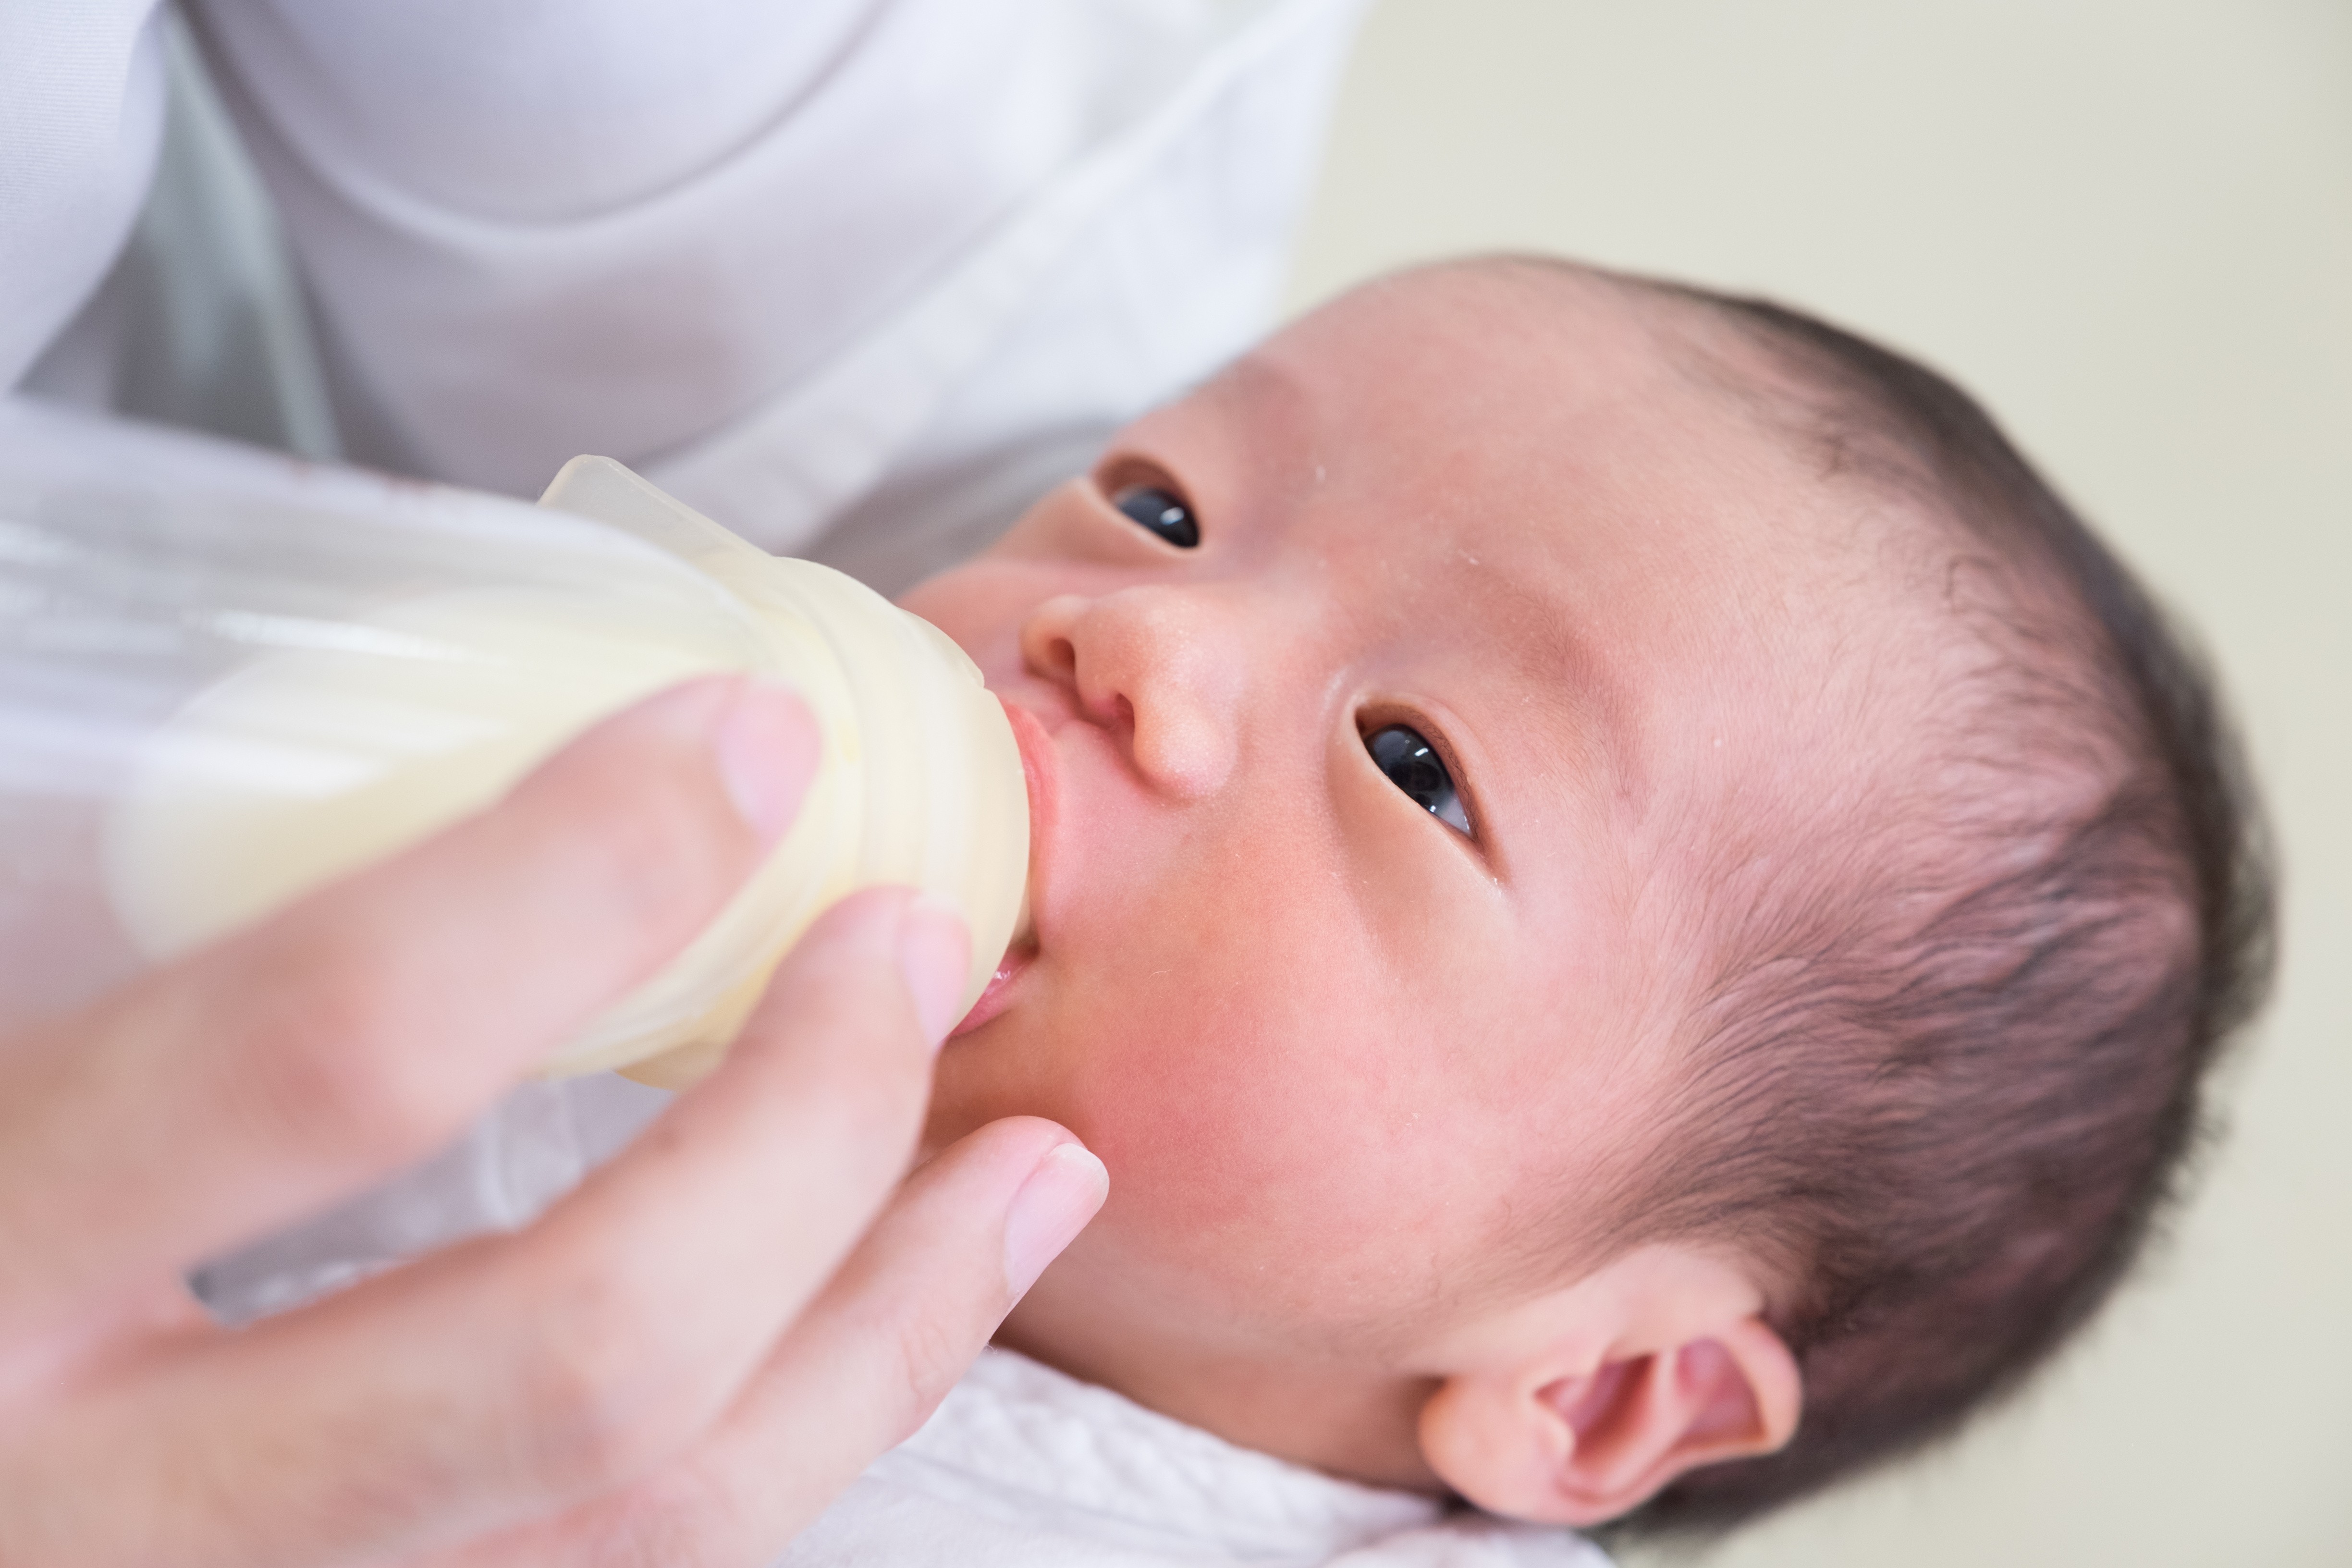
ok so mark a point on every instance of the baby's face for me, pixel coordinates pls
(1465, 542)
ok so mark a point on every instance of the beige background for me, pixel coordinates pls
(2128, 225)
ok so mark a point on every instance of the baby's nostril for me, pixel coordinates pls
(1053, 658)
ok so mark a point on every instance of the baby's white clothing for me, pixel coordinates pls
(1023, 1466)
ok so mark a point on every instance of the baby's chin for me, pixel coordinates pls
(976, 1079)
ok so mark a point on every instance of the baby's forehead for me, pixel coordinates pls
(1594, 448)
(1491, 350)
(1568, 475)
(1530, 407)
(1573, 336)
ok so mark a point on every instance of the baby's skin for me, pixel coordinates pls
(1369, 1038)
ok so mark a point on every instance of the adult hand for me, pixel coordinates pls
(682, 1361)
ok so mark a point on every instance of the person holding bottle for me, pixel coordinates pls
(857, 278)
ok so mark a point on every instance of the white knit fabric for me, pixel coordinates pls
(1023, 1466)
(860, 279)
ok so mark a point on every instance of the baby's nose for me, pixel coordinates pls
(1146, 664)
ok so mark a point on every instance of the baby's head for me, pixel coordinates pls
(1611, 870)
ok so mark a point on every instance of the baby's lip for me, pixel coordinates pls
(1039, 768)
(998, 995)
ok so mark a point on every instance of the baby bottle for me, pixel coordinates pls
(220, 690)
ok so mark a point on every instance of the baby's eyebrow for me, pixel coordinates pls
(1251, 378)
(1568, 685)
(1267, 408)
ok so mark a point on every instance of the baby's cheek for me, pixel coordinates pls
(1273, 1137)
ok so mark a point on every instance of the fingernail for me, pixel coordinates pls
(935, 955)
(765, 755)
(1052, 1207)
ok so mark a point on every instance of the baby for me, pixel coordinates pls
(1635, 906)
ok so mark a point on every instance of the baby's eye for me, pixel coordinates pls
(1164, 513)
(1414, 767)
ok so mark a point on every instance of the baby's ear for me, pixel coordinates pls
(1583, 1444)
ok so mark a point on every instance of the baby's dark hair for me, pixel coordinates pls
(1943, 1097)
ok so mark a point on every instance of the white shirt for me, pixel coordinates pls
(857, 278)
(1023, 1466)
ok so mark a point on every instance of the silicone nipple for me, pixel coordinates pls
(311, 761)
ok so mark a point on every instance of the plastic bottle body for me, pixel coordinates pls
(216, 696)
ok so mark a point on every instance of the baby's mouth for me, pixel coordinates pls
(1036, 751)
(1025, 924)
(998, 995)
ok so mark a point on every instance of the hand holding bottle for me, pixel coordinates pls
(703, 1343)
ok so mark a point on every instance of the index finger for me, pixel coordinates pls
(356, 1031)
